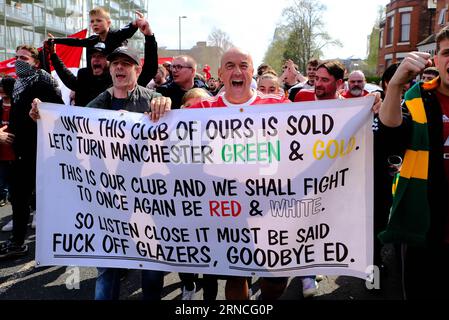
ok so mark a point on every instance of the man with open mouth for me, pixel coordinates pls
(93, 80)
(236, 71)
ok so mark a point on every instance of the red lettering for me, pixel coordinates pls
(213, 206)
(236, 208)
(225, 208)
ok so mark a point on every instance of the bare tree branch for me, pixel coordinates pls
(306, 37)
(219, 38)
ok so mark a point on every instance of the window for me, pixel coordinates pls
(381, 38)
(405, 27)
(38, 39)
(98, 3)
(388, 63)
(2, 36)
(14, 37)
(27, 36)
(390, 33)
(442, 17)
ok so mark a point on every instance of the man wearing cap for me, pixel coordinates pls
(126, 94)
(93, 80)
(90, 81)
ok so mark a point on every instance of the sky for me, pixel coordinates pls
(250, 24)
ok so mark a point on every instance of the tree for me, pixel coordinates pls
(374, 43)
(373, 53)
(304, 26)
(275, 53)
(219, 38)
(307, 38)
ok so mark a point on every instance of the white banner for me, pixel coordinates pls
(267, 190)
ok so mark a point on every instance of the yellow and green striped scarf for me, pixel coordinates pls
(409, 218)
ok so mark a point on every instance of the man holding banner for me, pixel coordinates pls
(272, 191)
(236, 71)
(236, 68)
(126, 95)
(328, 78)
(125, 70)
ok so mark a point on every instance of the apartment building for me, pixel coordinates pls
(29, 21)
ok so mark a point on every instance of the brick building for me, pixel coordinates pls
(407, 24)
(442, 14)
(441, 20)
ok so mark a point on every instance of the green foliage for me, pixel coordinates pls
(374, 44)
(275, 51)
(371, 61)
(373, 79)
(302, 37)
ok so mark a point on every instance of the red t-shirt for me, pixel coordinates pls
(305, 95)
(6, 151)
(309, 95)
(257, 98)
(444, 103)
(347, 94)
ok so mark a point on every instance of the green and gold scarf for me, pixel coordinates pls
(409, 218)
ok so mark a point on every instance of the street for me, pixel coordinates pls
(21, 280)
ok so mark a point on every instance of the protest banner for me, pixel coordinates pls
(269, 190)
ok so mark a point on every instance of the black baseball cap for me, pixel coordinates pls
(124, 51)
(99, 47)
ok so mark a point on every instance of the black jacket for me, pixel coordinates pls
(20, 123)
(138, 100)
(114, 39)
(437, 184)
(175, 93)
(88, 86)
(149, 68)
